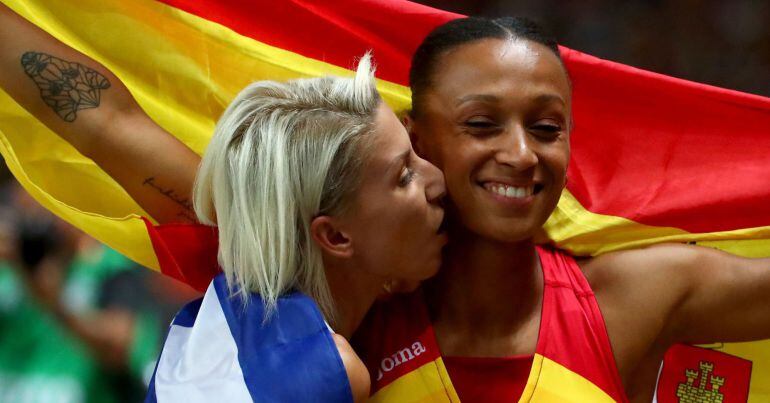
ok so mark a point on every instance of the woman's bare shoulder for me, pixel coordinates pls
(358, 375)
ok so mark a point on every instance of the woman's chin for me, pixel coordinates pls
(506, 230)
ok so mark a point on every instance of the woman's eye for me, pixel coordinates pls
(480, 124)
(406, 177)
(547, 128)
(548, 131)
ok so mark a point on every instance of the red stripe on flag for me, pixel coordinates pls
(186, 252)
(331, 31)
(668, 152)
(654, 149)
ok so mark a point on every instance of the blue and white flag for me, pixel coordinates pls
(217, 350)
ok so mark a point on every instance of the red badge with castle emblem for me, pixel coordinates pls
(694, 374)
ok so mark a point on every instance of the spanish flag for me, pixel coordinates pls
(654, 158)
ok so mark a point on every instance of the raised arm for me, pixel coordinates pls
(85, 104)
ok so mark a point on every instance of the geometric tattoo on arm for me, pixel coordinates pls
(66, 87)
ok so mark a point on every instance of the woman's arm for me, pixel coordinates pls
(672, 293)
(85, 104)
(727, 298)
(358, 375)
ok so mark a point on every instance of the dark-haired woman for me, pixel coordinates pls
(509, 319)
(506, 319)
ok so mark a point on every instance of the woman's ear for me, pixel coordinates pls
(332, 239)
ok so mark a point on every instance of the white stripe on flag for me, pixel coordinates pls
(200, 363)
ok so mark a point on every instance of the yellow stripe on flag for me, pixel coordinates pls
(183, 70)
(50, 182)
(582, 232)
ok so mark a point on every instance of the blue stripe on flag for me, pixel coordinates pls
(290, 355)
(186, 316)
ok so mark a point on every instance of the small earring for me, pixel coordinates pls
(388, 286)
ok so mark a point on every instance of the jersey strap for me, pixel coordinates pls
(573, 337)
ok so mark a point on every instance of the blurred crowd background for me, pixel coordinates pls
(81, 323)
(78, 321)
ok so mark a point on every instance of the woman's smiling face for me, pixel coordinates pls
(496, 120)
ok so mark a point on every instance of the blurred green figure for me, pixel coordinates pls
(78, 321)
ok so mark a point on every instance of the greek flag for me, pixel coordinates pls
(219, 350)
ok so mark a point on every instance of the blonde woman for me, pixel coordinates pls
(321, 204)
(318, 197)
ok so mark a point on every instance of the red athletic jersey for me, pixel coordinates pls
(573, 359)
(484, 379)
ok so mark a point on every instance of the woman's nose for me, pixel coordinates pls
(514, 149)
(435, 188)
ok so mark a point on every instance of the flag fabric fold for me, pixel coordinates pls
(290, 358)
(654, 158)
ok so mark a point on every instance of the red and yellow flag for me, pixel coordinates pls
(654, 158)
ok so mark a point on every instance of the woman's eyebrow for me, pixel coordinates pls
(548, 98)
(399, 161)
(477, 97)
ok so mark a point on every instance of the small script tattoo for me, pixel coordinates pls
(66, 87)
(187, 213)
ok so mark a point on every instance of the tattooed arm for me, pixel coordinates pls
(85, 104)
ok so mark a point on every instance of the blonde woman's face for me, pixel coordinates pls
(396, 217)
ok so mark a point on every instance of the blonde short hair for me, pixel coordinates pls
(281, 155)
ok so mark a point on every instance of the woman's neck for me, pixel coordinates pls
(485, 288)
(353, 293)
